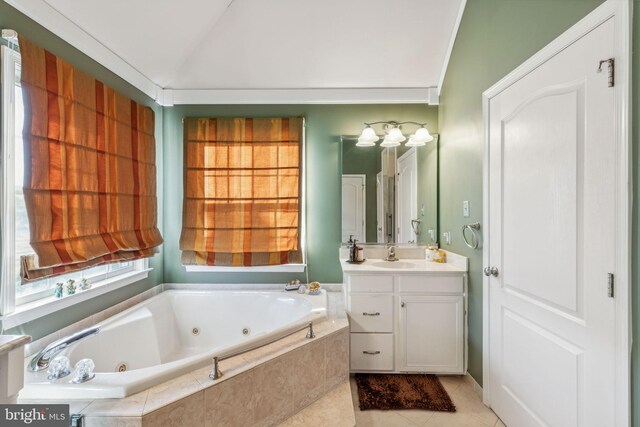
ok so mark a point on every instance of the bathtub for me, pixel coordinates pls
(174, 333)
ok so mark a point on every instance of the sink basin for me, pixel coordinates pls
(393, 264)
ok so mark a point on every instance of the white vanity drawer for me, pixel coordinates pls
(371, 283)
(439, 284)
(371, 313)
(372, 352)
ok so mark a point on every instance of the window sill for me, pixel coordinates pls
(34, 310)
(285, 268)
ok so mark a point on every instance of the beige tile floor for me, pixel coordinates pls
(471, 412)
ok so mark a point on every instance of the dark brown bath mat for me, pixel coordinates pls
(402, 391)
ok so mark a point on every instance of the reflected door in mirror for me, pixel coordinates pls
(353, 207)
(407, 201)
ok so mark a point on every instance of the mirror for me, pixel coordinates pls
(390, 195)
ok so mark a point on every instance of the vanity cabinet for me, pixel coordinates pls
(430, 334)
(407, 322)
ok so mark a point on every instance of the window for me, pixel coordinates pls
(15, 296)
(243, 194)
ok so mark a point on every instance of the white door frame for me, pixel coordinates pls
(621, 11)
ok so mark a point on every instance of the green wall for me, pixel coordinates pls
(325, 124)
(12, 19)
(495, 36)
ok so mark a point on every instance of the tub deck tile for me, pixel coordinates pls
(112, 422)
(170, 391)
(309, 367)
(232, 402)
(189, 411)
(130, 406)
(75, 406)
(337, 359)
(229, 368)
(274, 393)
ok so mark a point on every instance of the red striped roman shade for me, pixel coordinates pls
(90, 173)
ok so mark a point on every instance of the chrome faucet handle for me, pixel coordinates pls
(84, 371)
(58, 368)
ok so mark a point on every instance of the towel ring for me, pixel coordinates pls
(475, 236)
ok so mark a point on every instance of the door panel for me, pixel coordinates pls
(548, 196)
(353, 207)
(407, 196)
(552, 212)
(430, 331)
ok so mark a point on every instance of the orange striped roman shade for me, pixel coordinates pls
(242, 191)
(90, 173)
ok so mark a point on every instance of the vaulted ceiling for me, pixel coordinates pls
(272, 44)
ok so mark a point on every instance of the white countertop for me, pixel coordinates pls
(405, 266)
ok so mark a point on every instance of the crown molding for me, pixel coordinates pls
(47, 16)
(426, 95)
(44, 14)
(452, 41)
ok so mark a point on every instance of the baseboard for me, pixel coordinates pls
(474, 385)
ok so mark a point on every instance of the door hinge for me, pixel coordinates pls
(611, 65)
(611, 285)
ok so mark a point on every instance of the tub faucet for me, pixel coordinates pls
(41, 360)
(391, 253)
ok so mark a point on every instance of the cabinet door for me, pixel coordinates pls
(431, 334)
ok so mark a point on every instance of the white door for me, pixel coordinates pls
(353, 207)
(431, 328)
(551, 212)
(380, 216)
(407, 202)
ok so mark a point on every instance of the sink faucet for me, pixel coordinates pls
(391, 253)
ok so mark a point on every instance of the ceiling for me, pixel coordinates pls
(273, 44)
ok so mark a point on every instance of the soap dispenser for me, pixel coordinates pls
(353, 251)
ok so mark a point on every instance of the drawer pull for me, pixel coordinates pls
(377, 313)
(373, 353)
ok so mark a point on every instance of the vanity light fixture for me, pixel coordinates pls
(393, 135)
(368, 137)
(420, 138)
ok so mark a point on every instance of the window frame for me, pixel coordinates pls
(15, 310)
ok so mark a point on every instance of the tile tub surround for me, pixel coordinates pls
(302, 371)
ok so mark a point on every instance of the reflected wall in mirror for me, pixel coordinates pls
(390, 195)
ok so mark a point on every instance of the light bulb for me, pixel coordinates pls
(422, 135)
(368, 135)
(387, 142)
(395, 135)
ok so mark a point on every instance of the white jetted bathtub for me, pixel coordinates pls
(173, 333)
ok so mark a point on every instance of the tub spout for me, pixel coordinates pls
(41, 360)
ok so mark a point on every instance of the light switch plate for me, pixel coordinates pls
(446, 236)
(465, 209)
